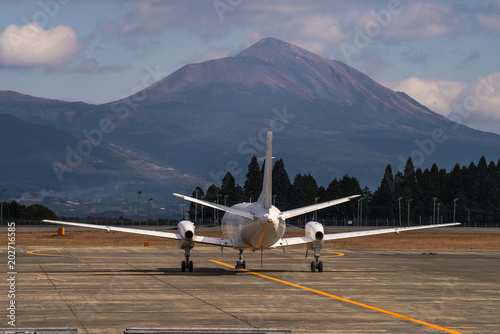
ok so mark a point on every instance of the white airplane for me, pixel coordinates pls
(255, 226)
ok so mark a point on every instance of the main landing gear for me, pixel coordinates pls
(187, 264)
(240, 264)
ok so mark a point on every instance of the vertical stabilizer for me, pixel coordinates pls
(267, 186)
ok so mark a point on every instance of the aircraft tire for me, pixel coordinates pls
(244, 265)
(183, 267)
(313, 266)
(320, 267)
(190, 266)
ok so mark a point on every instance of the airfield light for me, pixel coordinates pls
(1, 204)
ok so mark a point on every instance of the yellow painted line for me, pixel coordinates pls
(51, 277)
(397, 315)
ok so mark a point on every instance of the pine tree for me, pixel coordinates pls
(282, 187)
(253, 182)
(383, 203)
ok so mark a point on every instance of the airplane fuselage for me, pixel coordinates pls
(262, 232)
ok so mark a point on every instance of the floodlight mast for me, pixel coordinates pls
(1, 204)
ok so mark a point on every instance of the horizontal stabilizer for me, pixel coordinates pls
(306, 209)
(221, 207)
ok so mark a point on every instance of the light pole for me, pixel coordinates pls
(138, 194)
(274, 199)
(409, 210)
(454, 208)
(196, 208)
(434, 211)
(399, 202)
(149, 201)
(203, 198)
(1, 204)
(60, 209)
(438, 213)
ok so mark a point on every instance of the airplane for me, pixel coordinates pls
(256, 226)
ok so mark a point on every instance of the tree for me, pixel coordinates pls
(195, 209)
(305, 190)
(253, 183)
(282, 187)
(383, 203)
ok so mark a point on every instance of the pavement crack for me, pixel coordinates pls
(63, 299)
(195, 297)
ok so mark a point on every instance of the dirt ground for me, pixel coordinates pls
(407, 240)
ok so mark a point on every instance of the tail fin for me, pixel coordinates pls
(267, 186)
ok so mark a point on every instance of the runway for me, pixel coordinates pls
(109, 289)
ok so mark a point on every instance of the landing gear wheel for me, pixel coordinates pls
(190, 266)
(183, 268)
(243, 265)
(313, 266)
(320, 266)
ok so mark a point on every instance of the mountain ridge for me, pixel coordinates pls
(329, 120)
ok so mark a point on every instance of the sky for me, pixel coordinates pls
(444, 54)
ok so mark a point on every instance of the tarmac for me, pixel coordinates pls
(110, 289)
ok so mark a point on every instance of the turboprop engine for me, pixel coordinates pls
(315, 231)
(186, 229)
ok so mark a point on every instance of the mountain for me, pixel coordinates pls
(208, 118)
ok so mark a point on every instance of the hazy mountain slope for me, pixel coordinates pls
(205, 119)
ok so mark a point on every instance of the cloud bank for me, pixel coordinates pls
(32, 45)
(475, 104)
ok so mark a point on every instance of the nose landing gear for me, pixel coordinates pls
(187, 264)
(240, 264)
(317, 265)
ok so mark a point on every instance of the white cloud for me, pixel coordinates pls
(475, 104)
(437, 95)
(490, 22)
(32, 45)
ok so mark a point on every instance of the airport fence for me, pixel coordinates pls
(385, 222)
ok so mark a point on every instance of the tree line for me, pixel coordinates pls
(414, 196)
(14, 211)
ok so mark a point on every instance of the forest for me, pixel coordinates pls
(467, 194)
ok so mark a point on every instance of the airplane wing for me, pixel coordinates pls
(345, 235)
(167, 235)
(306, 209)
(221, 207)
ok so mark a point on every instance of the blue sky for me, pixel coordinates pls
(442, 53)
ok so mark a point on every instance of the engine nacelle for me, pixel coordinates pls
(315, 231)
(186, 229)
